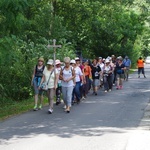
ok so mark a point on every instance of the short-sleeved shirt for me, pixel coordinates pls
(95, 72)
(119, 68)
(47, 73)
(78, 73)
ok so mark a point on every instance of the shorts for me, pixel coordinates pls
(36, 88)
(121, 76)
(96, 82)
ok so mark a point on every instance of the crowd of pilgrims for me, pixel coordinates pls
(71, 80)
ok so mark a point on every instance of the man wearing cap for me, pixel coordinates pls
(36, 79)
(127, 63)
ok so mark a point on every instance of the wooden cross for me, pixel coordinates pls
(54, 46)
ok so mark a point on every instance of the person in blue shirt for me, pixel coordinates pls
(127, 63)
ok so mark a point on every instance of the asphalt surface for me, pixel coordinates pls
(116, 120)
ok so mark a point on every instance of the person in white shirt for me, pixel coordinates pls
(51, 78)
(59, 89)
(78, 81)
(101, 64)
(67, 75)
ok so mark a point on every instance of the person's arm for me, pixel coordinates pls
(42, 80)
(33, 75)
(56, 80)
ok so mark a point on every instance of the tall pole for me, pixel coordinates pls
(54, 46)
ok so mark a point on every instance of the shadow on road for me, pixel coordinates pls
(114, 112)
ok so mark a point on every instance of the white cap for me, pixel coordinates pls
(107, 61)
(50, 62)
(77, 58)
(73, 61)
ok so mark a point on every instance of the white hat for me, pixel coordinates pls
(73, 61)
(107, 61)
(50, 62)
(57, 62)
(77, 58)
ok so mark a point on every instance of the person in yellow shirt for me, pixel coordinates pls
(140, 65)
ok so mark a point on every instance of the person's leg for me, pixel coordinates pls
(50, 94)
(36, 91)
(69, 97)
(58, 95)
(143, 72)
(118, 81)
(73, 95)
(115, 78)
(110, 82)
(77, 91)
(41, 98)
(121, 81)
(139, 70)
(64, 94)
(96, 84)
(87, 85)
(128, 70)
(105, 83)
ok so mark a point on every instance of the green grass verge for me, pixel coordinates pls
(11, 108)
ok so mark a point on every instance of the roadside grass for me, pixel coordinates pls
(132, 70)
(11, 108)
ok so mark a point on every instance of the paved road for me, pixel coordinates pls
(109, 121)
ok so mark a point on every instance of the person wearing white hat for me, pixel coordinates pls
(107, 76)
(78, 80)
(36, 79)
(51, 78)
(59, 89)
(67, 75)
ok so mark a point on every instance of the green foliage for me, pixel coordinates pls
(98, 28)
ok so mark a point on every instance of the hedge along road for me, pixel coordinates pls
(109, 121)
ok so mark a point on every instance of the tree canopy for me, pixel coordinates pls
(91, 27)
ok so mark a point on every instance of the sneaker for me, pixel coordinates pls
(35, 108)
(40, 106)
(109, 90)
(118, 87)
(65, 107)
(57, 103)
(105, 91)
(83, 98)
(144, 76)
(95, 93)
(50, 111)
(121, 87)
(138, 76)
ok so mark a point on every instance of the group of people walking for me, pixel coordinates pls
(71, 80)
